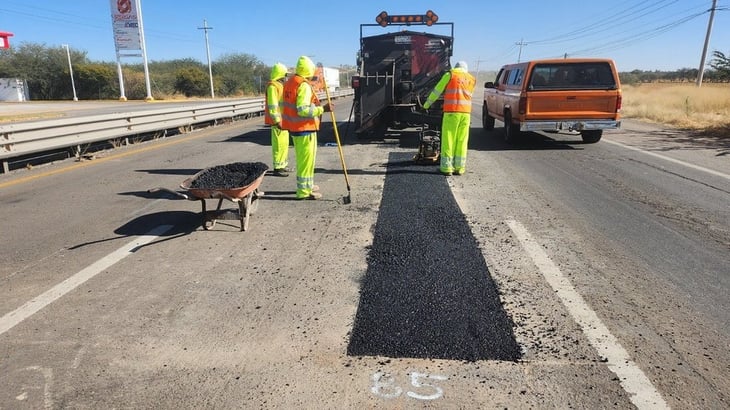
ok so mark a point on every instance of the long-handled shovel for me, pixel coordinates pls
(347, 199)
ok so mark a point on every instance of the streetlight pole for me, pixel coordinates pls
(207, 50)
(71, 71)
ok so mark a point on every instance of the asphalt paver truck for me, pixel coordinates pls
(395, 73)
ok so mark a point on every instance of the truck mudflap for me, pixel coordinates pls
(570, 125)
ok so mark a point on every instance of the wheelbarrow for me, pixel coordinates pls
(224, 185)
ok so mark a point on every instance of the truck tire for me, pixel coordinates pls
(591, 136)
(487, 120)
(511, 130)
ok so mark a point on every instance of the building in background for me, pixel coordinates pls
(13, 89)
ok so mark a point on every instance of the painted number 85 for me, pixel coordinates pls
(384, 385)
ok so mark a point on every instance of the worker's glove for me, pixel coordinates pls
(327, 107)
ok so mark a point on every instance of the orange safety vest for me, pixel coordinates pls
(290, 119)
(279, 90)
(457, 95)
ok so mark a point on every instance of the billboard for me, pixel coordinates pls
(4, 39)
(125, 23)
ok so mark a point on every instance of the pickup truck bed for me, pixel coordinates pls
(581, 95)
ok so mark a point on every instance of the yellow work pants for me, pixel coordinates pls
(305, 147)
(454, 141)
(280, 147)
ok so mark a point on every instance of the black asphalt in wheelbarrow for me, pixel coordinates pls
(237, 182)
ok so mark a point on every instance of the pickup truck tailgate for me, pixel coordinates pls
(572, 104)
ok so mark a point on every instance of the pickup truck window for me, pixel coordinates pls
(498, 79)
(503, 75)
(572, 76)
(515, 76)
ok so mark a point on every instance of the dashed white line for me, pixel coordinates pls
(9, 320)
(633, 380)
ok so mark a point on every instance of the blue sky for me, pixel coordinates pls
(638, 34)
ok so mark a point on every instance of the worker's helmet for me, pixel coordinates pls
(462, 65)
(305, 67)
(278, 71)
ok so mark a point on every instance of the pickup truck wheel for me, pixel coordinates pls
(511, 130)
(591, 136)
(487, 120)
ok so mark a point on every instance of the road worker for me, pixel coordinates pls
(272, 118)
(457, 85)
(301, 114)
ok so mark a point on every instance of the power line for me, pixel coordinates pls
(611, 21)
(635, 38)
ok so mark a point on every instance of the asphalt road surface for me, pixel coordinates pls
(553, 274)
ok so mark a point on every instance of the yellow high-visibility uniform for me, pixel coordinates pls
(300, 116)
(272, 117)
(457, 86)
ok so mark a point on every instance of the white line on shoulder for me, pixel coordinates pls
(643, 393)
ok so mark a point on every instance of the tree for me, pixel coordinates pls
(721, 64)
(191, 82)
(45, 70)
(96, 81)
(237, 73)
(163, 75)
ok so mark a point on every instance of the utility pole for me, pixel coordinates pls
(207, 50)
(477, 73)
(707, 41)
(520, 43)
(71, 71)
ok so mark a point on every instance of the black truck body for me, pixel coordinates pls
(396, 72)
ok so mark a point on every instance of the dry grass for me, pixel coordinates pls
(28, 117)
(705, 109)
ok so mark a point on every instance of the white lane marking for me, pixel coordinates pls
(643, 393)
(676, 161)
(31, 307)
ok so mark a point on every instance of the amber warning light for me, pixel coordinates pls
(4, 36)
(428, 19)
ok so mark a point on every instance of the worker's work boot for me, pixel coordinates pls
(312, 196)
(459, 172)
(281, 172)
(315, 188)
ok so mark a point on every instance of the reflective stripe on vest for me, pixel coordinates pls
(457, 96)
(269, 105)
(290, 119)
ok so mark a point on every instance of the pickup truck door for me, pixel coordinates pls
(494, 97)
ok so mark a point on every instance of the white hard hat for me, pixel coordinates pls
(462, 65)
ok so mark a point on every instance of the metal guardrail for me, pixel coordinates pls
(24, 138)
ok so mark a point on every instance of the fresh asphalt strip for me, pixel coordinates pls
(427, 292)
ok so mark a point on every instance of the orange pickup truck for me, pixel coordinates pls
(572, 94)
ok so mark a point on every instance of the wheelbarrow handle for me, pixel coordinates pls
(169, 191)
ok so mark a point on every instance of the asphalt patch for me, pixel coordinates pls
(427, 292)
